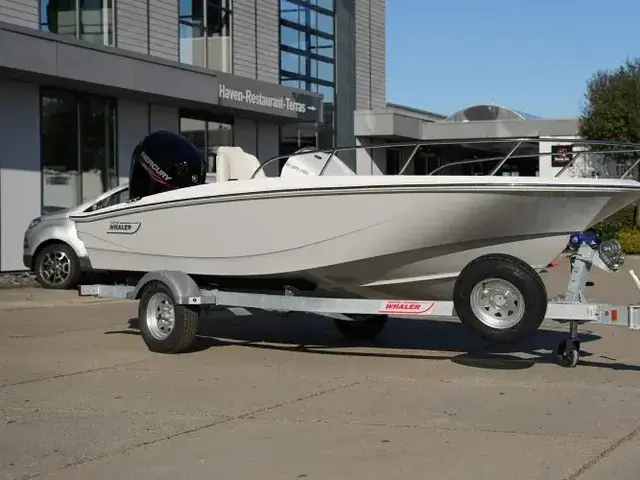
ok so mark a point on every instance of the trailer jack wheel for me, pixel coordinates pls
(568, 353)
(367, 328)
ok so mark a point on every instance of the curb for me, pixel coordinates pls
(15, 286)
(11, 286)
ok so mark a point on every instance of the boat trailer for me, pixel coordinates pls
(171, 303)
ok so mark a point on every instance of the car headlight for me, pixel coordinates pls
(611, 254)
(34, 222)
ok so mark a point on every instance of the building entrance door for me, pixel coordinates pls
(295, 137)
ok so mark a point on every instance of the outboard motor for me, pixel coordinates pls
(165, 161)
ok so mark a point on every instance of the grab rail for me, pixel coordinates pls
(629, 148)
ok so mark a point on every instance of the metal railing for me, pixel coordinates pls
(626, 154)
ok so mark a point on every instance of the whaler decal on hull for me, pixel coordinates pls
(124, 228)
(406, 308)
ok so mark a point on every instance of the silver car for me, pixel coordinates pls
(52, 249)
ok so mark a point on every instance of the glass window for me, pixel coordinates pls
(322, 70)
(326, 4)
(294, 137)
(327, 92)
(90, 20)
(59, 152)
(293, 63)
(393, 161)
(218, 17)
(79, 160)
(293, 38)
(307, 54)
(207, 135)
(205, 33)
(306, 16)
(291, 12)
(321, 46)
(321, 22)
(293, 84)
(218, 135)
(97, 155)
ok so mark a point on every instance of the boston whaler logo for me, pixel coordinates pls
(406, 308)
(126, 228)
(154, 169)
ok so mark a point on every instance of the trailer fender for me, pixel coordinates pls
(184, 289)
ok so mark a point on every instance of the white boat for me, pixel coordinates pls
(371, 236)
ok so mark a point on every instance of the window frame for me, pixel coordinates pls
(207, 118)
(227, 10)
(306, 56)
(50, 91)
(76, 36)
(305, 80)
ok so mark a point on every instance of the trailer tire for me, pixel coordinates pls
(165, 326)
(501, 298)
(366, 329)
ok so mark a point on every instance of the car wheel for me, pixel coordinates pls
(57, 267)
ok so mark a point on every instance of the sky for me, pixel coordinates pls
(533, 56)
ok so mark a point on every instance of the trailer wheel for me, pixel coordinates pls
(366, 329)
(166, 327)
(500, 297)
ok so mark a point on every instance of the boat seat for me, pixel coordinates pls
(233, 163)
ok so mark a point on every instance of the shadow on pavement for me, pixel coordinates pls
(410, 338)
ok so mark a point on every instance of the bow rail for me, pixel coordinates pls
(609, 159)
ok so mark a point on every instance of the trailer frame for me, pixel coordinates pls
(571, 308)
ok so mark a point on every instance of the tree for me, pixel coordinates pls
(612, 109)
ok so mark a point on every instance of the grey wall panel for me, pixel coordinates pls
(20, 12)
(132, 31)
(164, 118)
(378, 54)
(20, 175)
(267, 38)
(163, 29)
(268, 145)
(363, 54)
(345, 77)
(370, 161)
(76, 64)
(244, 38)
(133, 125)
(268, 140)
(370, 54)
(245, 135)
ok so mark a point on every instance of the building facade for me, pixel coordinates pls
(83, 81)
(476, 132)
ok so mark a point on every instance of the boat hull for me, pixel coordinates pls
(393, 240)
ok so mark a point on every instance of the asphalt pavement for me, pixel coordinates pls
(274, 397)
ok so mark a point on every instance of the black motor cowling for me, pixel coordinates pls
(165, 161)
